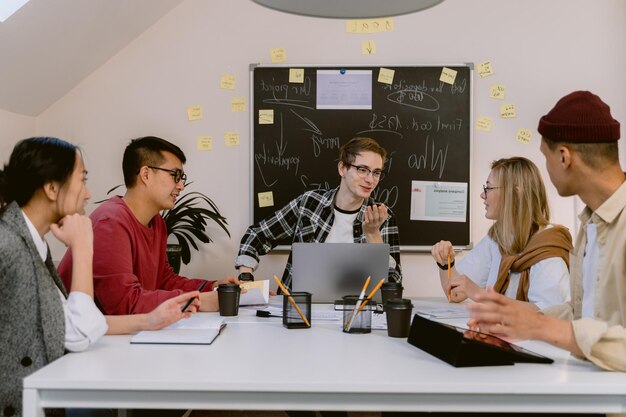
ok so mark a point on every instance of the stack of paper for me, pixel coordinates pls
(258, 292)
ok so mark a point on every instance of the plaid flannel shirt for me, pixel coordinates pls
(309, 218)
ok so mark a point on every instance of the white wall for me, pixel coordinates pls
(541, 50)
(12, 128)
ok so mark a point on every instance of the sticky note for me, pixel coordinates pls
(370, 25)
(385, 75)
(524, 136)
(507, 111)
(484, 123)
(368, 47)
(296, 75)
(266, 117)
(447, 76)
(194, 112)
(231, 138)
(266, 199)
(497, 91)
(204, 143)
(227, 81)
(485, 69)
(238, 104)
(278, 55)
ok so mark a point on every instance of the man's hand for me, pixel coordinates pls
(496, 313)
(374, 217)
(169, 311)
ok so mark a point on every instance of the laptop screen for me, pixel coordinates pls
(331, 270)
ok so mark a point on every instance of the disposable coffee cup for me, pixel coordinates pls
(228, 298)
(399, 311)
(391, 290)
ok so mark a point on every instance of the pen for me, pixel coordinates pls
(371, 294)
(358, 303)
(193, 298)
(449, 276)
(292, 301)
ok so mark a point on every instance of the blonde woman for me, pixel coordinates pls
(523, 256)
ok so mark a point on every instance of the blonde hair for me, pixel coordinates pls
(523, 204)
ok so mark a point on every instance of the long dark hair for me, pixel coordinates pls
(33, 163)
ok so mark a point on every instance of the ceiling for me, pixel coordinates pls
(47, 47)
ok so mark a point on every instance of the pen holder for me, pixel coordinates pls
(361, 322)
(291, 317)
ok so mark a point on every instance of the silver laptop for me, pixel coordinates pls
(331, 270)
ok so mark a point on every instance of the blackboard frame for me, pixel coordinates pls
(434, 233)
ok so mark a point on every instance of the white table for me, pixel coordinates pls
(258, 364)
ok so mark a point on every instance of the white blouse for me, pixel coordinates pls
(549, 279)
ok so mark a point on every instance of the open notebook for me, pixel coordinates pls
(199, 329)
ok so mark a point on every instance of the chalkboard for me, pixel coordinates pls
(299, 124)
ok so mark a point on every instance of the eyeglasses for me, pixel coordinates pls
(177, 174)
(486, 189)
(363, 172)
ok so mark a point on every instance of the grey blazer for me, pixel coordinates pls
(32, 324)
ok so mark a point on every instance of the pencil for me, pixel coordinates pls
(358, 303)
(371, 294)
(292, 301)
(449, 276)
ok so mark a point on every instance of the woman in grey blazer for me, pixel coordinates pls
(43, 188)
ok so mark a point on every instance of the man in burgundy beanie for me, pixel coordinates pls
(579, 143)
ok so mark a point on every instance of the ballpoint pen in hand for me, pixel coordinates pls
(292, 301)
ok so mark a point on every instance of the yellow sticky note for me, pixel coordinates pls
(507, 111)
(238, 104)
(266, 199)
(497, 91)
(485, 69)
(296, 75)
(227, 82)
(524, 136)
(266, 117)
(484, 123)
(384, 24)
(194, 112)
(278, 55)
(385, 75)
(204, 143)
(231, 138)
(447, 76)
(368, 47)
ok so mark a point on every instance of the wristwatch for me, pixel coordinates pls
(444, 267)
(245, 276)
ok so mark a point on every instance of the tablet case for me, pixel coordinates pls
(461, 347)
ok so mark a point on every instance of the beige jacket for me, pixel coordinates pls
(603, 340)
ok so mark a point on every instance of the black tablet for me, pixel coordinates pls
(462, 347)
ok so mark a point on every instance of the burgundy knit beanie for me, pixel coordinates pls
(580, 117)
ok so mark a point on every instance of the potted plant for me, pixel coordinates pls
(187, 222)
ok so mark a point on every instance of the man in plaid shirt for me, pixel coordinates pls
(344, 214)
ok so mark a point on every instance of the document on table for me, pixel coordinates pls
(452, 312)
(258, 292)
(199, 329)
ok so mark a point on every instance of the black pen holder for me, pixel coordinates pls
(356, 317)
(291, 317)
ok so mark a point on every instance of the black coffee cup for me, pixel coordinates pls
(398, 312)
(228, 298)
(391, 290)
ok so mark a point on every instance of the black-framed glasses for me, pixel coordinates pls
(486, 189)
(177, 174)
(363, 171)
